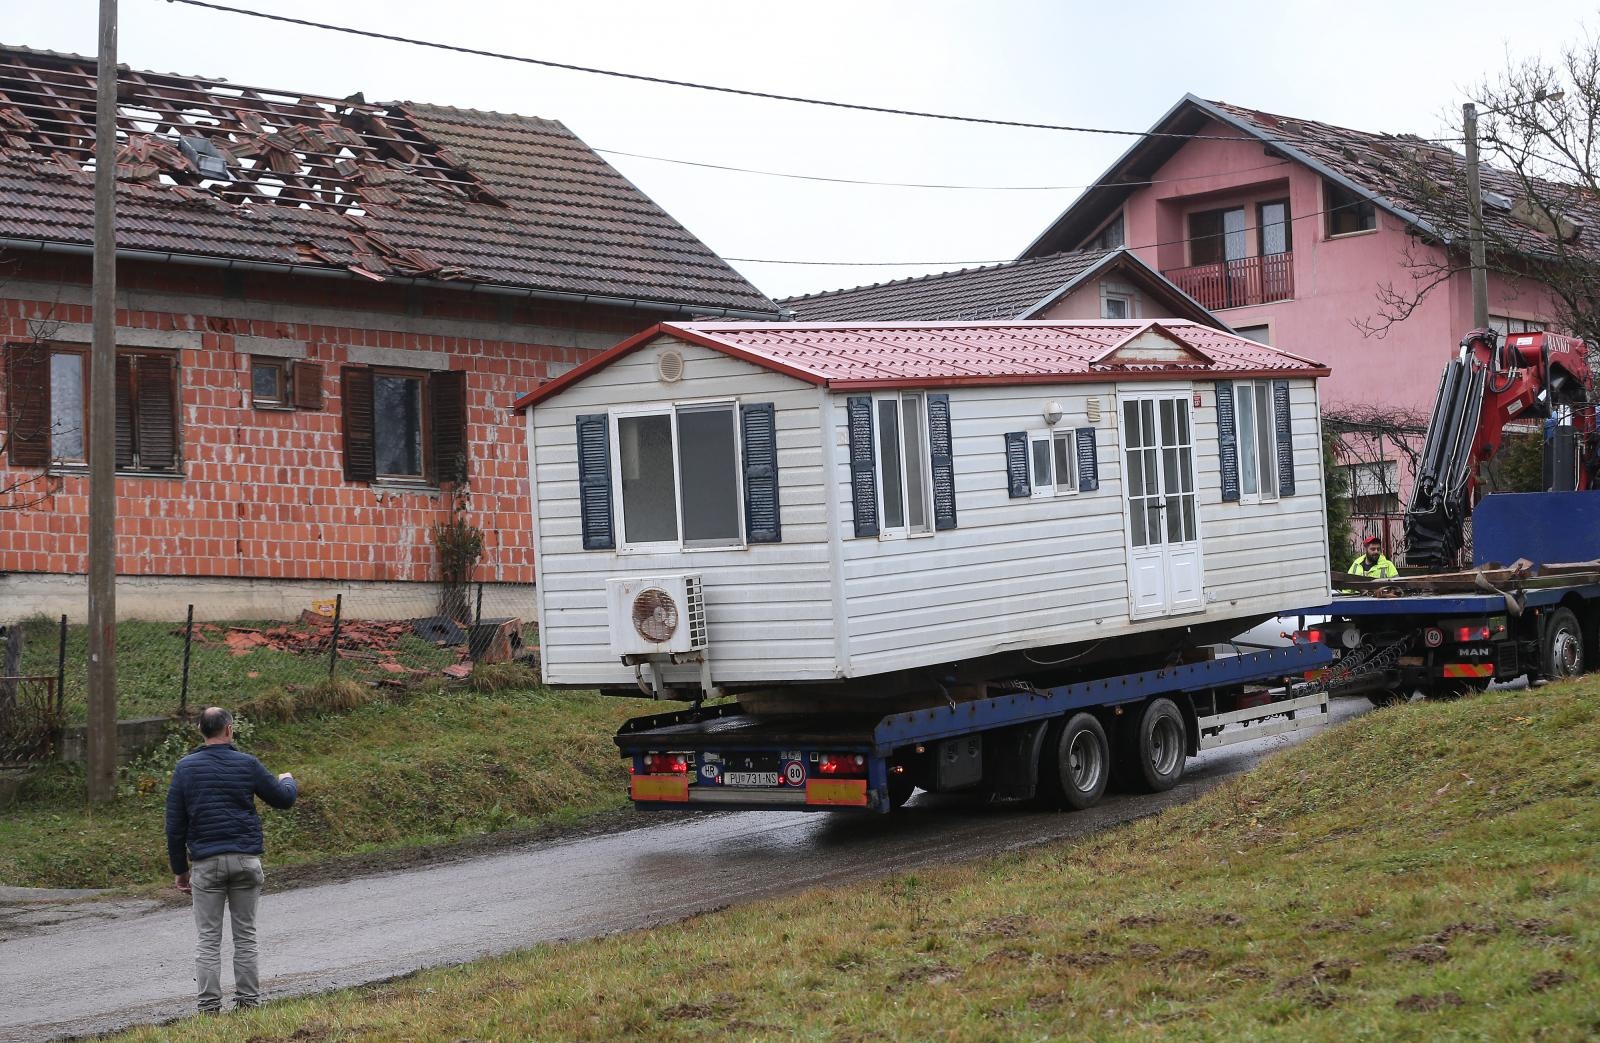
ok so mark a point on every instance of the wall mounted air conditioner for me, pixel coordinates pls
(656, 615)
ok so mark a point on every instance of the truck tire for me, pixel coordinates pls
(1075, 763)
(1561, 647)
(1155, 748)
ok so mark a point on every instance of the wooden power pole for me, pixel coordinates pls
(103, 427)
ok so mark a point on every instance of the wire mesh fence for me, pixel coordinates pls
(382, 638)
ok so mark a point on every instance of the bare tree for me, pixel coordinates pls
(1539, 135)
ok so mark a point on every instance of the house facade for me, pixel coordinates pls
(1292, 231)
(325, 310)
(1094, 283)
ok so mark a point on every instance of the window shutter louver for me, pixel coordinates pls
(1018, 480)
(761, 521)
(1088, 460)
(1285, 437)
(155, 413)
(360, 454)
(1227, 443)
(28, 402)
(941, 454)
(594, 481)
(125, 412)
(863, 473)
(447, 424)
(307, 382)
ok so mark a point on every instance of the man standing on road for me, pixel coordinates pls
(214, 844)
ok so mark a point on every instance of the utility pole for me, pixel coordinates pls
(103, 427)
(1480, 272)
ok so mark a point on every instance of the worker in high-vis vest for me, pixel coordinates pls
(1372, 564)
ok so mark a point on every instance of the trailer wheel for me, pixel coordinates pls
(1155, 749)
(1561, 650)
(1075, 763)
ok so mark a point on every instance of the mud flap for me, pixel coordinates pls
(1012, 757)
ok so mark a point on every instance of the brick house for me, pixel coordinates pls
(1290, 229)
(325, 309)
(1092, 283)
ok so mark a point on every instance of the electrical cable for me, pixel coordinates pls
(668, 82)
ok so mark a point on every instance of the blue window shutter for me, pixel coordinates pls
(1285, 437)
(941, 452)
(761, 523)
(1017, 477)
(863, 473)
(1088, 460)
(1227, 443)
(594, 481)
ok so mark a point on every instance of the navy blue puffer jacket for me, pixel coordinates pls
(211, 806)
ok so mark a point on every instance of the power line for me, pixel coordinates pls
(914, 184)
(738, 91)
(1005, 260)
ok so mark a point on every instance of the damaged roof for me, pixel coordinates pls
(1418, 181)
(213, 169)
(843, 356)
(1014, 290)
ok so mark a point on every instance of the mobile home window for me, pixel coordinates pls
(1053, 463)
(903, 465)
(1258, 443)
(678, 472)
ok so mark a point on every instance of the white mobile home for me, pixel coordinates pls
(900, 501)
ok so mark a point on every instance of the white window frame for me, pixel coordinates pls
(1055, 487)
(1261, 391)
(1126, 300)
(923, 469)
(671, 410)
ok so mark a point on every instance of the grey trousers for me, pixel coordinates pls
(234, 882)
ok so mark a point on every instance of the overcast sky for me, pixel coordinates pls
(1393, 66)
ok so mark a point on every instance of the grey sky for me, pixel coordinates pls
(1392, 66)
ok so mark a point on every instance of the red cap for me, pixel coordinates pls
(1371, 540)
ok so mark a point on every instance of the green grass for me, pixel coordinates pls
(150, 666)
(442, 766)
(1425, 872)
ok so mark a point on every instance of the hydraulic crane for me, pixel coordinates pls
(1488, 385)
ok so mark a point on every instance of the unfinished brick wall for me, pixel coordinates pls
(262, 493)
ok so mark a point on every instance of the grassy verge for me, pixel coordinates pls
(1425, 872)
(441, 766)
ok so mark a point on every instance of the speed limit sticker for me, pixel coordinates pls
(794, 773)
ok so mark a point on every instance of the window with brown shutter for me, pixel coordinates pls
(404, 425)
(48, 388)
(307, 382)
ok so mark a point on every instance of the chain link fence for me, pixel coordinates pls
(375, 640)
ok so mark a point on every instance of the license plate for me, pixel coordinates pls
(749, 778)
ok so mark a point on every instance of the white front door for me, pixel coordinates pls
(1164, 566)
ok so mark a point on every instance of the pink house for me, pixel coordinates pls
(1290, 230)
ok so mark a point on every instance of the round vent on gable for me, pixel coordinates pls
(669, 366)
(655, 615)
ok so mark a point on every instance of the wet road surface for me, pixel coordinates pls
(93, 966)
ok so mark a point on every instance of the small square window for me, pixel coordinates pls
(1115, 306)
(1348, 212)
(269, 383)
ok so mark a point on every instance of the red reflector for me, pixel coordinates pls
(1314, 635)
(665, 764)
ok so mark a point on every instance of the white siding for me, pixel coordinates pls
(1028, 572)
(769, 606)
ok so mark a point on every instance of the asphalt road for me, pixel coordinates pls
(75, 967)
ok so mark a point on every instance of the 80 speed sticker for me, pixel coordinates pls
(794, 773)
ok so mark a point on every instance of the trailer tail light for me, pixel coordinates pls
(666, 764)
(1472, 633)
(842, 766)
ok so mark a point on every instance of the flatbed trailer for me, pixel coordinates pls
(1449, 644)
(1056, 745)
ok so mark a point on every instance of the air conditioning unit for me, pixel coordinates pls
(656, 615)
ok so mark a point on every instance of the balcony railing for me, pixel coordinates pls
(1234, 284)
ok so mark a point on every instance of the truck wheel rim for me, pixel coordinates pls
(1164, 746)
(1568, 653)
(1084, 761)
